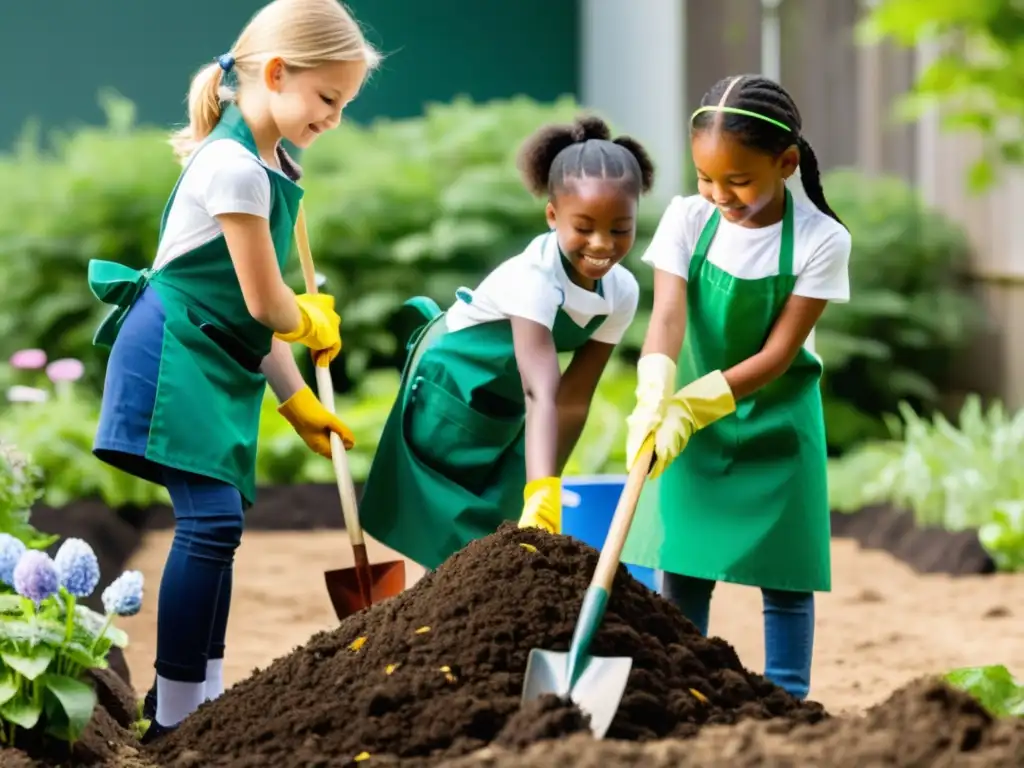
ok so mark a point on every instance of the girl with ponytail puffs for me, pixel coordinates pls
(742, 274)
(485, 419)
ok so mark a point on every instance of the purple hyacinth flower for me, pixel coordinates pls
(11, 550)
(77, 567)
(123, 597)
(35, 576)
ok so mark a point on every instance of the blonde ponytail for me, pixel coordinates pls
(204, 108)
(303, 33)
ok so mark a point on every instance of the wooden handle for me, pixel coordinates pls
(608, 562)
(325, 390)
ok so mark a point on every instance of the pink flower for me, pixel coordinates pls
(28, 359)
(66, 369)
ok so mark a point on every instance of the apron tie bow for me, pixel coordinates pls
(121, 286)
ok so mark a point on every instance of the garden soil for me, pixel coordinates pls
(923, 725)
(438, 671)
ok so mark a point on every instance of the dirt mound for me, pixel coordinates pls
(924, 724)
(438, 671)
(107, 741)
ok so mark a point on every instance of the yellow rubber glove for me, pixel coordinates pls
(694, 407)
(655, 383)
(314, 423)
(320, 329)
(542, 506)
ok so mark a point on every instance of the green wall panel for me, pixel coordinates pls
(59, 53)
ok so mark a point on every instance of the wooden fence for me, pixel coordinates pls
(846, 92)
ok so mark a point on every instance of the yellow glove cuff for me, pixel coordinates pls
(305, 326)
(707, 399)
(299, 404)
(543, 484)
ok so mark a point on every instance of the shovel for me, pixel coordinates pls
(351, 589)
(594, 683)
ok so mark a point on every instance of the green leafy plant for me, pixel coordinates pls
(976, 76)
(909, 315)
(20, 488)
(993, 686)
(48, 642)
(952, 476)
(54, 424)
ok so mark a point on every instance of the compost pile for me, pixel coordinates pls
(926, 723)
(438, 671)
(107, 740)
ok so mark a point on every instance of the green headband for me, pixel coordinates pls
(745, 112)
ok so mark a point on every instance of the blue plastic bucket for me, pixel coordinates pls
(588, 505)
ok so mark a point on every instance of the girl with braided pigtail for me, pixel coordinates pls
(742, 274)
(485, 420)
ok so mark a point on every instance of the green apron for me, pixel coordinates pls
(747, 500)
(210, 389)
(451, 464)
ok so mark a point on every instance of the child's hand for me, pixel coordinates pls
(543, 505)
(320, 329)
(314, 423)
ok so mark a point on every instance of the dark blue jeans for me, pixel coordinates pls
(195, 593)
(788, 627)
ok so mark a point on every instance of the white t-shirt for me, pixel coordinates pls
(821, 248)
(222, 177)
(534, 285)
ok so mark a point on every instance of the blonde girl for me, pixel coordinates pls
(195, 339)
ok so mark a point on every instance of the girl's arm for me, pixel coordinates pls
(576, 392)
(788, 335)
(668, 316)
(538, 368)
(267, 298)
(282, 371)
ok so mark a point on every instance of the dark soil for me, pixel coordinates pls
(926, 550)
(924, 725)
(440, 672)
(277, 508)
(107, 741)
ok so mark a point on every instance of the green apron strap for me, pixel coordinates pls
(425, 305)
(786, 246)
(700, 253)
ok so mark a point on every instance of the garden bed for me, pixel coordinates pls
(434, 676)
(926, 550)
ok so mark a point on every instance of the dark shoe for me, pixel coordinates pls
(155, 731)
(149, 704)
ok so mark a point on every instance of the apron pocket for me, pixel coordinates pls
(229, 344)
(452, 438)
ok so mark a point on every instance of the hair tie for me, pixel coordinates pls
(745, 113)
(226, 61)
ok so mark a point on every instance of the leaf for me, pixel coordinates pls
(77, 698)
(8, 689)
(22, 712)
(993, 686)
(30, 664)
(10, 603)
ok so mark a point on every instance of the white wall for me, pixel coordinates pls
(633, 71)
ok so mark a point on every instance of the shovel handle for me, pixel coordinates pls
(608, 562)
(325, 390)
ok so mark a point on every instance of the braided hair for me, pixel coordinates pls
(556, 155)
(769, 99)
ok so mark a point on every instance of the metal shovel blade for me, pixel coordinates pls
(348, 593)
(598, 689)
